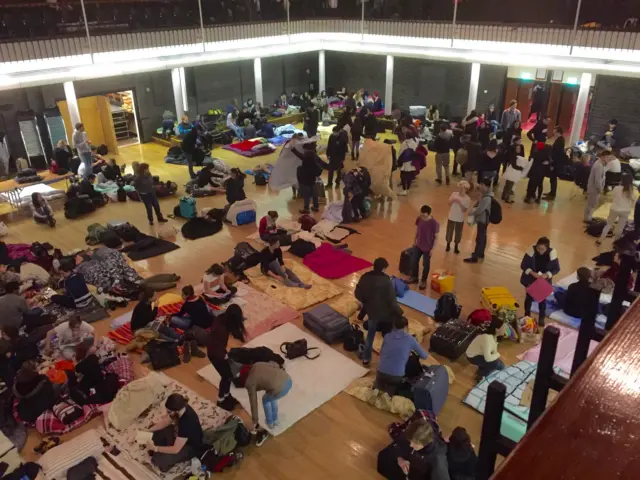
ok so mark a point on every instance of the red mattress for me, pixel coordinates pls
(330, 262)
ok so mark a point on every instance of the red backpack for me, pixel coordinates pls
(479, 316)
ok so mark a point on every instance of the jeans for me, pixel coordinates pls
(534, 187)
(183, 323)
(484, 367)
(167, 127)
(442, 162)
(372, 328)
(357, 204)
(270, 403)
(87, 159)
(238, 131)
(167, 333)
(338, 171)
(150, 201)
(355, 149)
(481, 240)
(542, 309)
(226, 376)
(189, 158)
(289, 278)
(387, 383)
(309, 193)
(488, 174)
(494, 126)
(426, 263)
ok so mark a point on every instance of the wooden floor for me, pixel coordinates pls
(341, 439)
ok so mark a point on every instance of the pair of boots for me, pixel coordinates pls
(190, 349)
(456, 250)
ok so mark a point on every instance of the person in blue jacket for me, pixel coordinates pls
(540, 262)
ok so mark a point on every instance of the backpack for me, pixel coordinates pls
(596, 227)
(260, 178)
(306, 221)
(495, 215)
(479, 317)
(122, 195)
(188, 207)
(162, 354)
(447, 308)
(353, 339)
(462, 156)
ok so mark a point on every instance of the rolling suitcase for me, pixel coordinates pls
(495, 297)
(452, 338)
(406, 261)
(325, 322)
(431, 390)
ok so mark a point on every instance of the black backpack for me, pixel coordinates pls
(260, 179)
(596, 227)
(102, 149)
(447, 308)
(495, 215)
(162, 354)
(353, 339)
(122, 195)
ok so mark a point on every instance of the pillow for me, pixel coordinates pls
(67, 411)
(58, 460)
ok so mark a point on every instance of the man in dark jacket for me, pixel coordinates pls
(538, 133)
(378, 297)
(337, 149)
(539, 167)
(307, 174)
(311, 121)
(442, 147)
(189, 148)
(558, 160)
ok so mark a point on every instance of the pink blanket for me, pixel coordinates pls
(262, 313)
(330, 262)
(565, 352)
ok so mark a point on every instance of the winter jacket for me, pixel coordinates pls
(337, 148)
(375, 291)
(442, 143)
(547, 264)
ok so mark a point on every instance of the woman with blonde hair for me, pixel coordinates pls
(459, 204)
(623, 202)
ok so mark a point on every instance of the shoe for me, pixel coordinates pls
(548, 196)
(327, 186)
(229, 403)
(151, 222)
(411, 281)
(195, 351)
(305, 211)
(47, 444)
(538, 200)
(162, 220)
(528, 200)
(422, 285)
(448, 181)
(315, 209)
(365, 363)
(470, 260)
(261, 437)
(438, 181)
(448, 249)
(509, 201)
(456, 250)
(403, 193)
(186, 353)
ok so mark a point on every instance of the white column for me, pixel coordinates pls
(388, 89)
(322, 81)
(72, 103)
(177, 93)
(473, 87)
(183, 87)
(257, 75)
(581, 107)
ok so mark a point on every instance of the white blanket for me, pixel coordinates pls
(285, 171)
(314, 381)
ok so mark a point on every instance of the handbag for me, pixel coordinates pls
(162, 354)
(353, 339)
(299, 348)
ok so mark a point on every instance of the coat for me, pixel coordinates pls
(528, 265)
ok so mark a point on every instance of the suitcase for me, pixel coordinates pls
(495, 297)
(406, 261)
(452, 338)
(325, 322)
(188, 207)
(431, 390)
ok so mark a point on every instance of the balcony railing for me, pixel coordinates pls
(42, 30)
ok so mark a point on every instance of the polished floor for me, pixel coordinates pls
(341, 439)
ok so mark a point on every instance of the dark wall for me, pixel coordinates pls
(619, 98)
(11, 102)
(272, 79)
(217, 85)
(296, 79)
(493, 79)
(356, 70)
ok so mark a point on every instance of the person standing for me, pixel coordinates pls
(539, 168)
(510, 115)
(538, 133)
(378, 298)
(595, 185)
(491, 117)
(558, 159)
(189, 147)
(513, 174)
(307, 173)
(621, 206)
(356, 135)
(442, 147)
(540, 262)
(83, 145)
(311, 121)
(427, 229)
(147, 191)
(337, 149)
(459, 204)
(474, 157)
(480, 215)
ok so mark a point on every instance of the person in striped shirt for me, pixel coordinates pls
(76, 293)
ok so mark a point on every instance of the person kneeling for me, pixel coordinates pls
(483, 351)
(179, 437)
(272, 265)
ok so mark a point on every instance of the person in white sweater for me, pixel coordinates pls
(623, 202)
(483, 351)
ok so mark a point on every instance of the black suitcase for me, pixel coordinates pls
(452, 338)
(406, 261)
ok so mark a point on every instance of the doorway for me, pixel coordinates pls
(123, 116)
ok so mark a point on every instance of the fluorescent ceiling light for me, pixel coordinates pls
(526, 76)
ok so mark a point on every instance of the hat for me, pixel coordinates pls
(540, 146)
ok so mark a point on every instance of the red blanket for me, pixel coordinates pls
(330, 262)
(245, 145)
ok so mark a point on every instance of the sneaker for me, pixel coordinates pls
(448, 249)
(422, 285)
(304, 211)
(438, 181)
(162, 220)
(528, 200)
(548, 196)
(261, 437)
(229, 403)
(538, 200)
(403, 193)
(470, 260)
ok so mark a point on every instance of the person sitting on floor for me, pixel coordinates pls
(208, 179)
(230, 322)
(215, 289)
(21, 348)
(276, 383)
(41, 211)
(178, 437)
(111, 171)
(62, 156)
(394, 355)
(194, 311)
(15, 312)
(233, 188)
(268, 227)
(272, 265)
(88, 384)
(249, 130)
(483, 350)
(76, 293)
(461, 457)
(34, 392)
(145, 316)
(86, 188)
(69, 335)
(574, 300)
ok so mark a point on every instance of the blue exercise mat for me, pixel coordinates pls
(419, 302)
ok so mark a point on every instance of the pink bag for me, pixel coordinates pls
(540, 290)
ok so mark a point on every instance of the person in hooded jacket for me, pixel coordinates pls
(540, 262)
(461, 458)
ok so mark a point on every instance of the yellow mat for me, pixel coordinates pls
(296, 298)
(345, 304)
(415, 328)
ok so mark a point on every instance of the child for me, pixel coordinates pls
(483, 351)
(215, 288)
(41, 210)
(461, 458)
(576, 293)
(194, 311)
(459, 204)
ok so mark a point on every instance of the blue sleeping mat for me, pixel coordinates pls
(419, 302)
